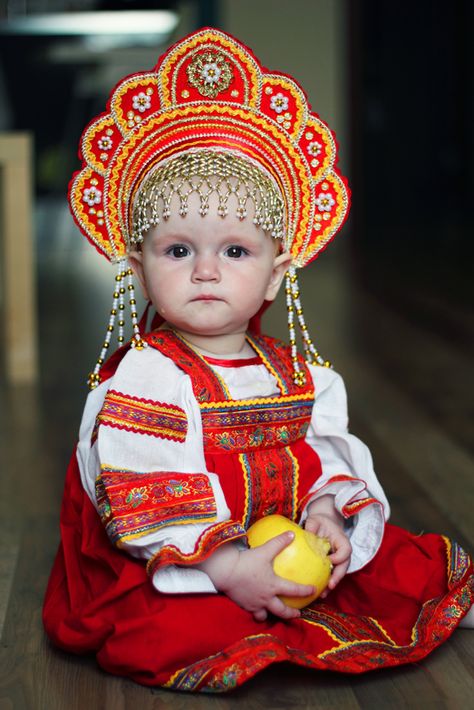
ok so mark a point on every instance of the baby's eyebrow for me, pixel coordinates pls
(173, 237)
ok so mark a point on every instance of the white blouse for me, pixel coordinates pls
(347, 469)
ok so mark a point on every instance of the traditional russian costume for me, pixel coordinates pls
(178, 455)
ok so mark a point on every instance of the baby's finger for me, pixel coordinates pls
(337, 574)
(280, 609)
(274, 546)
(260, 615)
(341, 551)
(293, 589)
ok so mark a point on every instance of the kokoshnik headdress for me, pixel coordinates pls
(208, 118)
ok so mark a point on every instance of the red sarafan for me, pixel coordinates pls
(395, 610)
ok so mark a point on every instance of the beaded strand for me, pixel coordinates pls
(118, 308)
(137, 341)
(93, 379)
(293, 305)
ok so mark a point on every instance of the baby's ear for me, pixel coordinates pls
(281, 265)
(135, 259)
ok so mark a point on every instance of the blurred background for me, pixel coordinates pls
(395, 82)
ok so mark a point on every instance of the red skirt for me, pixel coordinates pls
(396, 610)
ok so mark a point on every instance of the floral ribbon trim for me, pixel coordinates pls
(132, 505)
(143, 416)
(256, 425)
(210, 540)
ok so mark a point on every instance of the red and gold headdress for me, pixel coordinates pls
(209, 93)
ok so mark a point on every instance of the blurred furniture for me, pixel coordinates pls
(17, 283)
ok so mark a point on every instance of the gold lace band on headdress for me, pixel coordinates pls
(229, 176)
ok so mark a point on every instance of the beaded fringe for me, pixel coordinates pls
(124, 275)
(293, 305)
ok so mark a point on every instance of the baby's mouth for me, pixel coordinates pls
(206, 297)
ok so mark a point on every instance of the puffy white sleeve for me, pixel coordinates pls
(347, 469)
(142, 464)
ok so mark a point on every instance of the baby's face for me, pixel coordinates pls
(208, 275)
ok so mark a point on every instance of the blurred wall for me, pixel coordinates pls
(304, 39)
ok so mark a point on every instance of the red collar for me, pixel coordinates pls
(242, 362)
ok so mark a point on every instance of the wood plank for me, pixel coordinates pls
(9, 551)
(434, 370)
(442, 468)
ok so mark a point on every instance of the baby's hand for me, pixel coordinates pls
(328, 523)
(247, 577)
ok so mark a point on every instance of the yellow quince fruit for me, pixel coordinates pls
(305, 560)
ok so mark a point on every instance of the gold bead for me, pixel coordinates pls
(115, 294)
(118, 277)
(134, 314)
(138, 343)
(132, 301)
(130, 287)
(113, 312)
(93, 380)
(121, 290)
(106, 345)
(121, 306)
(110, 328)
(327, 363)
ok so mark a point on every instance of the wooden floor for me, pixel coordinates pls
(406, 365)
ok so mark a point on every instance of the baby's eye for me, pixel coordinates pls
(178, 251)
(235, 252)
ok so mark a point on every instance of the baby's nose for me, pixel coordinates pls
(206, 268)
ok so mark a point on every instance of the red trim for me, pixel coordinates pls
(242, 362)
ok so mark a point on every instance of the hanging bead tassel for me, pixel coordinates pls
(298, 374)
(293, 304)
(117, 307)
(137, 341)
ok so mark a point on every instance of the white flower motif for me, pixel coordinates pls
(211, 73)
(314, 148)
(279, 103)
(141, 102)
(325, 201)
(92, 196)
(105, 143)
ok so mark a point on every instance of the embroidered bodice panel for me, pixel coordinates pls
(262, 439)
